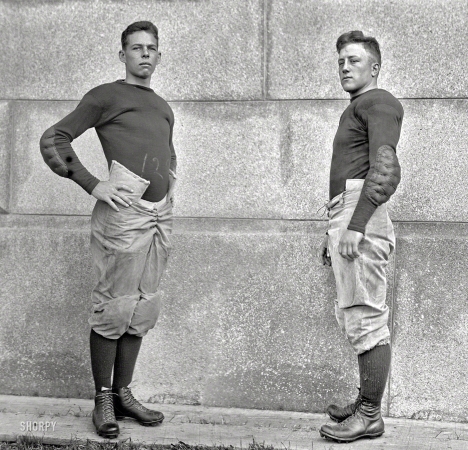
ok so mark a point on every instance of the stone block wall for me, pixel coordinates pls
(248, 312)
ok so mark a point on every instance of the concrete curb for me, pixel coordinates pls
(199, 425)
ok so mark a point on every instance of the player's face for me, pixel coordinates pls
(141, 56)
(357, 69)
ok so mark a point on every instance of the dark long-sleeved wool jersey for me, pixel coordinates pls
(371, 122)
(135, 127)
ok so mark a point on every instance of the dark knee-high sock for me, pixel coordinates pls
(103, 353)
(374, 366)
(128, 347)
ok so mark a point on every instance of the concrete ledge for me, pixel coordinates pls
(5, 151)
(45, 291)
(247, 320)
(209, 50)
(256, 160)
(35, 188)
(203, 60)
(434, 162)
(302, 59)
(235, 160)
(254, 321)
(430, 330)
(195, 425)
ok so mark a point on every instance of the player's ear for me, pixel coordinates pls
(375, 69)
(122, 56)
(158, 61)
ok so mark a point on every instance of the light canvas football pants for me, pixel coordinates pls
(130, 250)
(360, 306)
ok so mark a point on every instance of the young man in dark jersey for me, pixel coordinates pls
(131, 221)
(364, 174)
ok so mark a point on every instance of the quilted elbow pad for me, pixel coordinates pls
(50, 154)
(384, 177)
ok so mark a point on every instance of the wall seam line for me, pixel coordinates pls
(231, 100)
(392, 324)
(265, 51)
(11, 139)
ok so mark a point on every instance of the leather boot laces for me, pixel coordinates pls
(105, 400)
(352, 416)
(347, 420)
(356, 405)
(132, 401)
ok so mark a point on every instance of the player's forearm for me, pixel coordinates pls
(380, 184)
(59, 155)
(55, 143)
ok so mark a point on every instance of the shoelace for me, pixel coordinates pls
(105, 400)
(348, 419)
(128, 396)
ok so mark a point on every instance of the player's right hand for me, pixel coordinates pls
(111, 194)
(323, 253)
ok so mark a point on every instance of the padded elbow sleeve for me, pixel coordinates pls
(384, 176)
(50, 154)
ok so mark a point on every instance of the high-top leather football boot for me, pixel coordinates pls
(338, 413)
(103, 415)
(125, 405)
(365, 422)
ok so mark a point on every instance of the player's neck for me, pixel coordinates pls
(362, 91)
(145, 82)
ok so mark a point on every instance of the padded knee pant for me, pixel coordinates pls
(360, 308)
(130, 250)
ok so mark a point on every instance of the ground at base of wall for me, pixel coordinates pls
(60, 421)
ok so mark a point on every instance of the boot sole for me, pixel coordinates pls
(337, 439)
(107, 435)
(145, 424)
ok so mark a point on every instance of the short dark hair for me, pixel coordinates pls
(143, 25)
(357, 37)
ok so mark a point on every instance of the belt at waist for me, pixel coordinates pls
(153, 205)
(351, 185)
